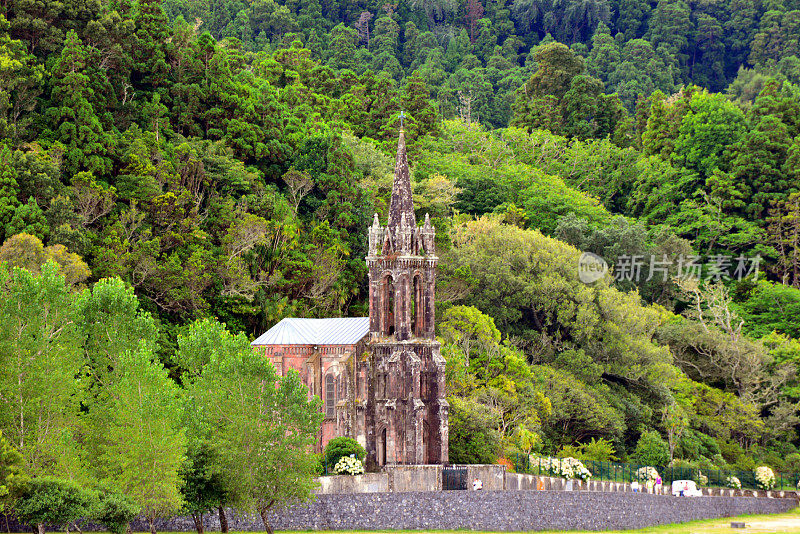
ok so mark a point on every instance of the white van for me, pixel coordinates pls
(685, 488)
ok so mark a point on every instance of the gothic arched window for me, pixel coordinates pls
(417, 308)
(330, 396)
(388, 305)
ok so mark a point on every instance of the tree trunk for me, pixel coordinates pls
(198, 522)
(152, 525)
(223, 521)
(42, 529)
(264, 512)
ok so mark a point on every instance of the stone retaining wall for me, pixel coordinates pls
(484, 510)
(495, 510)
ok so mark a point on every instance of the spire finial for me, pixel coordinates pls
(402, 116)
(402, 198)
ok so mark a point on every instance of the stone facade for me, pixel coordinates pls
(328, 372)
(406, 410)
(386, 390)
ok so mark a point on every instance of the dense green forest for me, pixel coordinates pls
(223, 159)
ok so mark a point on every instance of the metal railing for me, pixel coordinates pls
(618, 472)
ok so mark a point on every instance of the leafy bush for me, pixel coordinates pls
(342, 447)
(349, 465)
(52, 501)
(765, 477)
(599, 450)
(733, 482)
(651, 449)
(114, 511)
(569, 468)
(12, 477)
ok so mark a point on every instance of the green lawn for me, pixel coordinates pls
(786, 523)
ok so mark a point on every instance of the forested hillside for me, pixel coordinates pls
(223, 158)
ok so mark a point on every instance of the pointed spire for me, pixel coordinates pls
(375, 222)
(402, 200)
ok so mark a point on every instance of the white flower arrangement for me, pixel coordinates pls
(702, 479)
(646, 475)
(349, 465)
(569, 468)
(765, 477)
(733, 482)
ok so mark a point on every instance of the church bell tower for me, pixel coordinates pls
(406, 412)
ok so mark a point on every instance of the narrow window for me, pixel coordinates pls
(388, 311)
(417, 309)
(330, 397)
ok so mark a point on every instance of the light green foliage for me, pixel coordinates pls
(39, 357)
(766, 307)
(263, 425)
(469, 329)
(597, 450)
(143, 446)
(651, 449)
(224, 161)
(712, 124)
(482, 167)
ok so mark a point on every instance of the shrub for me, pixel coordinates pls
(733, 482)
(12, 476)
(651, 449)
(114, 511)
(52, 501)
(349, 465)
(569, 468)
(598, 451)
(342, 447)
(765, 478)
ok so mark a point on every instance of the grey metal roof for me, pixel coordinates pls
(339, 331)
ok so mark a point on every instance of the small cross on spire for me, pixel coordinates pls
(402, 116)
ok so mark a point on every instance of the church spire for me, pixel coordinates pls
(402, 200)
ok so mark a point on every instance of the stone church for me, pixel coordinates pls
(382, 377)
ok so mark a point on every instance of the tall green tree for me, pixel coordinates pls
(72, 117)
(263, 425)
(39, 363)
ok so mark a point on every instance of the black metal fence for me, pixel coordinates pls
(616, 472)
(454, 478)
